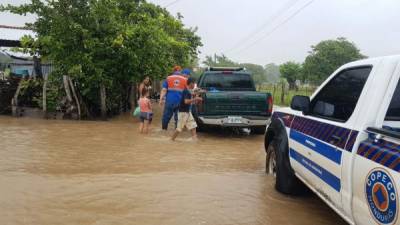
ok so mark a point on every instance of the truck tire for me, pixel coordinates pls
(201, 127)
(278, 165)
(258, 130)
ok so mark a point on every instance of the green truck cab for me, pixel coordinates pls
(231, 100)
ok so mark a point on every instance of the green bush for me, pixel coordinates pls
(31, 89)
(31, 94)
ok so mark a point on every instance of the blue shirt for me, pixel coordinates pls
(183, 107)
(173, 97)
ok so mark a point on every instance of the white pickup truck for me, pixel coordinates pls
(343, 142)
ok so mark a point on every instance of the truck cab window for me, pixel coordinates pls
(393, 113)
(338, 99)
(222, 81)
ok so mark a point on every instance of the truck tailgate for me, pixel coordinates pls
(235, 103)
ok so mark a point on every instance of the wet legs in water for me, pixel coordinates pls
(169, 111)
(144, 127)
(193, 131)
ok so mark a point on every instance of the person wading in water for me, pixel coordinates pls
(146, 84)
(146, 112)
(171, 96)
(185, 117)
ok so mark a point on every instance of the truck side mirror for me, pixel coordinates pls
(301, 103)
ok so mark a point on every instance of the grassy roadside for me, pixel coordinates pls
(276, 91)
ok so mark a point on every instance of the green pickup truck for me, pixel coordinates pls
(231, 100)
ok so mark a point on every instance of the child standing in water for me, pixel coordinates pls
(146, 112)
(185, 117)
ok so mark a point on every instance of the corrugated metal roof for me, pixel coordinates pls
(8, 33)
(9, 52)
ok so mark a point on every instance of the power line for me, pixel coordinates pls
(171, 3)
(276, 27)
(271, 19)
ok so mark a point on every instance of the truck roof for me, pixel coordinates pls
(228, 72)
(225, 69)
(394, 58)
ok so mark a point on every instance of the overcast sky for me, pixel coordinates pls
(276, 31)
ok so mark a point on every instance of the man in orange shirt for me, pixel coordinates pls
(172, 91)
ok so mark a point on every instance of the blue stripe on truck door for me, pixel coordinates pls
(317, 170)
(318, 146)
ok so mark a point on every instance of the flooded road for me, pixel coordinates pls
(69, 172)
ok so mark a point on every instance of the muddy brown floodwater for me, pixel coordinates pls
(69, 172)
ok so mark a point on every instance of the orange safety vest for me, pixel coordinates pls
(176, 83)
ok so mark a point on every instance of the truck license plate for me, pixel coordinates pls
(234, 119)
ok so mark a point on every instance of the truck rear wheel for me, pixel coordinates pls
(278, 165)
(202, 127)
(258, 130)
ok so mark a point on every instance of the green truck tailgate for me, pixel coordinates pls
(235, 103)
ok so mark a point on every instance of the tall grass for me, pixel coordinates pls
(276, 91)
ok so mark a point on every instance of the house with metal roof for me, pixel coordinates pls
(19, 63)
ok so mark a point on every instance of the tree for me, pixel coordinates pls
(219, 61)
(327, 56)
(209, 61)
(291, 71)
(106, 46)
(257, 72)
(272, 73)
(223, 61)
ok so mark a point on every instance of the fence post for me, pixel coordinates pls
(307, 90)
(283, 93)
(14, 101)
(44, 97)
